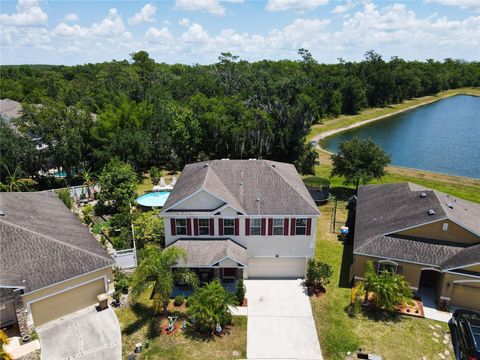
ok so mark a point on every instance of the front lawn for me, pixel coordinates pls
(392, 337)
(139, 323)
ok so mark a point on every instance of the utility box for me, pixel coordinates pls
(102, 301)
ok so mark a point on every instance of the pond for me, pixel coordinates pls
(441, 137)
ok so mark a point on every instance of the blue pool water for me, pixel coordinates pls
(441, 137)
(153, 199)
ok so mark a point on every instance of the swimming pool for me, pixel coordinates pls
(153, 199)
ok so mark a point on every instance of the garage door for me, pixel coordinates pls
(466, 295)
(67, 302)
(276, 267)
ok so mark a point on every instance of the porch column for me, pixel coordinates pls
(239, 273)
(216, 273)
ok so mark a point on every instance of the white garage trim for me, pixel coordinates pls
(69, 279)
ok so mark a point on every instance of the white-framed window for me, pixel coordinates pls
(203, 226)
(181, 226)
(445, 227)
(300, 226)
(278, 226)
(255, 226)
(228, 226)
(389, 266)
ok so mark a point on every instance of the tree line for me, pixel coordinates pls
(155, 114)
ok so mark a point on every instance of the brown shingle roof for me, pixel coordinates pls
(42, 242)
(201, 252)
(385, 209)
(240, 183)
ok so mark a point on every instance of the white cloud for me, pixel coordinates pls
(463, 4)
(346, 6)
(184, 22)
(195, 34)
(210, 6)
(29, 13)
(295, 5)
(146, 14)
(155, 35)
(71, 17)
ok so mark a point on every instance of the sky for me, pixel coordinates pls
(197, 31)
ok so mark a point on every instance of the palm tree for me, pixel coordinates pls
(89, 181)
(156, 269)
(4, 340)
(13, 183)
(209, 306)
(390, 289)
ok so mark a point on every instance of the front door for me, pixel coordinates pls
(7, 314)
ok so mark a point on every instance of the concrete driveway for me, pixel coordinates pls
(86, 334)
(280, 321)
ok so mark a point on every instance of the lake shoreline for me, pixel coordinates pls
(426, 101)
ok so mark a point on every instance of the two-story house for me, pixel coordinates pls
(431, 238)
(242, 218)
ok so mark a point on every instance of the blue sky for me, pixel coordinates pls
(196, 31)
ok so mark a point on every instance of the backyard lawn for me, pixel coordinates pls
(392, 337)
(139, 323)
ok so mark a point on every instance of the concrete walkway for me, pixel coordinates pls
(86, 334)
(429, 307)
(280, 321)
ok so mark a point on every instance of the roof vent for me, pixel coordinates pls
(273, 165)
(2, 213)
(252, 159)
(258, 199)
(225, 159)
(450, 205)
(423, 195)
(206, 165)
(431, 212)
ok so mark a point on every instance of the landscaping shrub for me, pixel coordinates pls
(179, 299)
(117, 296)
(318, 276)
(121, 281)
(65, 196)
(240, 294)
(87, 212)
(208, 306)
(101, 209)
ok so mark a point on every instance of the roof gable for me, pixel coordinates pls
(253, 187)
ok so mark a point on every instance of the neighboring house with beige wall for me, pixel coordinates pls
(431, 238)
(50, 263)
(242, 218)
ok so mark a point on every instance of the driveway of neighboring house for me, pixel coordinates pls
(280, 321)
(86, 334)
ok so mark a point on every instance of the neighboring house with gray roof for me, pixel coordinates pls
(242, 218)
(50, 263)
(432, 238)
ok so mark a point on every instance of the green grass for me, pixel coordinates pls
(392, 337)
(465, 188)
(346, 120)
(139, 323)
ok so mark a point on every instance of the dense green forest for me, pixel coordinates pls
(155, 114)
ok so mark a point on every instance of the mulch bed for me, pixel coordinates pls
(316, 290)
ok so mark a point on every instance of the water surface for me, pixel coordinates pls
(441, 137)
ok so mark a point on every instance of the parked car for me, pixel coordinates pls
(465, 329)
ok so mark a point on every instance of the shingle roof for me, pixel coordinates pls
(241, 182)
(202, 252)
(385, 209)
(42, 242)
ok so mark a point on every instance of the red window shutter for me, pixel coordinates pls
(270, 227)
(189, 227)
(173, 227)
(212, 227)
(195, 227)
(220, 227)
(247, 227)
(285, 227)
(309, 226)
(237, 227)
(292, 226)
(264, 226)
